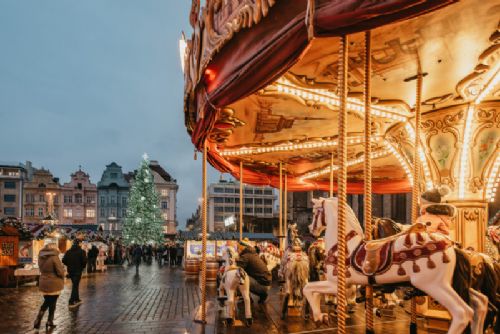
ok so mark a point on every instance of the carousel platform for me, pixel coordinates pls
(267, 319)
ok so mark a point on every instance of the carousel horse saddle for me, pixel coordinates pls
(374, 245)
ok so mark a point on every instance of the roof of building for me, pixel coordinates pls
(11, 164)
(155, 166)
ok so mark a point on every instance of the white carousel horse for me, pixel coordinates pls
(294, 270)
(234, 279)
(427, 261)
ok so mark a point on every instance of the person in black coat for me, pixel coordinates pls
(92, 255)
(260, 277)
(137, 257)
(76, 261)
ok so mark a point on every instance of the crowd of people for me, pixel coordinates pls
(78, 258)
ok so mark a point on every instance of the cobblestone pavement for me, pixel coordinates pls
(159, 300)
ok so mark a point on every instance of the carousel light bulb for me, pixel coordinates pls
(464, 169)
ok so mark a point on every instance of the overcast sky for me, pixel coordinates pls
(94, 81)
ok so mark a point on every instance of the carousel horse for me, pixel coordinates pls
(429, 261)
(234, 279)
(294, 270)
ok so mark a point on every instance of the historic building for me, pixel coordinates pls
(12, 178)
(38, 191)
(224, 204)
(79, 200)
(167, 187)
(112, 192)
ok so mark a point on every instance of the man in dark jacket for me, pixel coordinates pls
(93, 253)
(75, 260)
(260, 277)
(137, 256)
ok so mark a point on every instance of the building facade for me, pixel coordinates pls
(37, 193)
(112, 193)
(224, 204)
(79, 200)
(12, 178)
(167, 189)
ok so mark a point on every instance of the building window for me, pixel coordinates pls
(258, 191)
(9, 185)
(78, 213)
(119, 213)
(9, 211)
(78, 198)
(248, 210)
(113, 200)
(164, 192)
(268, 210)
(30, 212)
(103, 213)
(219, 209)
(218, 199)
(9, 198)
(56, 199)
(89, 199)
(68, 213)
(268, 192)
(268, 201)
(258, 201)
(249, 191)
(40, 212)
(103, 200)
(124, 213)
(229, 200)
(229, 190)
(258, 210)
(41, 198)
(90, 213)
(219, 218)
(248, 200)
(124, 201)
(68, 199)
(113, 213)
(218, 190)
(164, 205)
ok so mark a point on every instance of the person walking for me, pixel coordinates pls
(92, 256)
(180, 253)
(51, 283)
(137, 257)
(75, 260)
(172, 253)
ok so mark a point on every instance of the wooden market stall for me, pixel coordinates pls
(294, 99)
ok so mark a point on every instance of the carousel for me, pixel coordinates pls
(360, 97)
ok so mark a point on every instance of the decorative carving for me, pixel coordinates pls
(222, 21)
(469, 87)
(224, 126)
(442, 141)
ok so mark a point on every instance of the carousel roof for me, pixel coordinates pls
(275, 99)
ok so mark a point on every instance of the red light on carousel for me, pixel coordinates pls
(209, 75)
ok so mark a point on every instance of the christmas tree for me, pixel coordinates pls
(143, 222)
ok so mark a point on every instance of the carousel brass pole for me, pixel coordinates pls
(285, 207)
(368, 172)
(204, 236)
(416, 181)
(331, 174)
(342, 186)
(241, 200)
(281, 206)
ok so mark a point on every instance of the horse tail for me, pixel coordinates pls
(462, 275)
(299, 275)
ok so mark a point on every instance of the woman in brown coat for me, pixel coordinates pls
(51, 282)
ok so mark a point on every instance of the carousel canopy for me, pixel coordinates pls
(263, 91)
